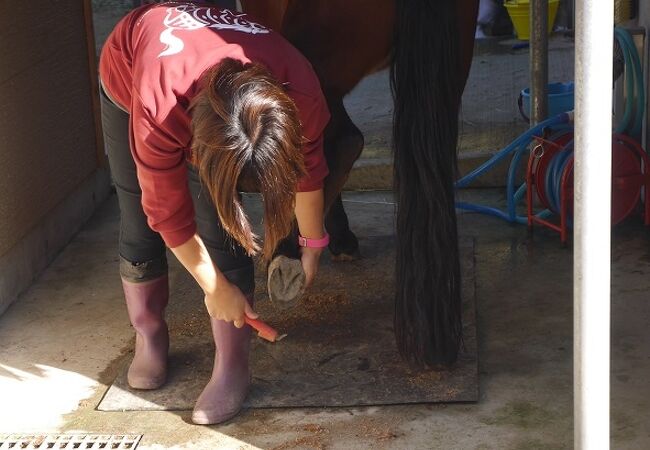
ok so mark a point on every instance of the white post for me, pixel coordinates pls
(593, 139)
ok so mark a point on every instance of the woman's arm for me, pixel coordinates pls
(309, 214)
(222, 299)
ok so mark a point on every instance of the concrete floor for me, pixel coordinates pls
(60, 342)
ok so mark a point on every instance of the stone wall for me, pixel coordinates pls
(48, 138)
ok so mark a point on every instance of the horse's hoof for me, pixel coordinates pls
(344, 247)
(286, 281)
(343, 257)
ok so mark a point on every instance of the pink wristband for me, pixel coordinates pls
(314, 243)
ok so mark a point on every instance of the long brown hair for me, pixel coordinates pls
(244, 125)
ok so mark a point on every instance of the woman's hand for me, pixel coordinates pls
(310, 258)
(228, 303)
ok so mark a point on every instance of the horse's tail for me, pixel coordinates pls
(426, 82)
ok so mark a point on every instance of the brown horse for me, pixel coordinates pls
(428, 45)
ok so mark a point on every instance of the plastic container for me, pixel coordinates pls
(622, 11)
(519, 12)
(560, 99)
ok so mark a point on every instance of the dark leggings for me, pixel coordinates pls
(142, 250)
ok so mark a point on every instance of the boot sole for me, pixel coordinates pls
(146, 385)
(216, 421)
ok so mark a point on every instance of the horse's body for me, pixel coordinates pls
(428, 45)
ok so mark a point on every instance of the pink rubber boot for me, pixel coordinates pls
(146, 304)
(223, 396)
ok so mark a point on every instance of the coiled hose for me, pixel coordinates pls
(514, 194)
(631, 124)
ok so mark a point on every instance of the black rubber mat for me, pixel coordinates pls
(340, 349)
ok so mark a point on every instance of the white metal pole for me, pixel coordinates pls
(592, 211)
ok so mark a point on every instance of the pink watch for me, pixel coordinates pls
(314, 243)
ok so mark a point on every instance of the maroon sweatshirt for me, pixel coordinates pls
(150, 66)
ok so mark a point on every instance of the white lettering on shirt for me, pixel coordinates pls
(192, 17)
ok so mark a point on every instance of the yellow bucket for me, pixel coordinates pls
(622, 11)
(519, 12)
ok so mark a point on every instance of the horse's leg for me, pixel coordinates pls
(344, 245)
(343, 145)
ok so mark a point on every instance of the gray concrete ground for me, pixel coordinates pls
(61, 340)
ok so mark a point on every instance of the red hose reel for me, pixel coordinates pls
(550, 175)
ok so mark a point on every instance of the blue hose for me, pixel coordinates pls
(522, 141)
(632, 121)
(553, 181)
(517, 149)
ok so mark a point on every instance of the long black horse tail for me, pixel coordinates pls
(426, 83)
